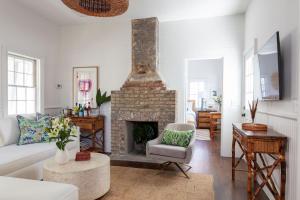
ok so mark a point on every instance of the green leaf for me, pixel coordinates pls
(100, 99)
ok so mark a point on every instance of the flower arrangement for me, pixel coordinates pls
(61, 131)
(218, 99)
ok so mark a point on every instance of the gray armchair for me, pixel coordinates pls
(172, 154)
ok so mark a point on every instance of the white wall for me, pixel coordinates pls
(220, 37)
(108, 45)
(209, 70)
(264, 18)
(27, 33)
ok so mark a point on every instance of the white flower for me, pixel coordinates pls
(54, 133)
(55, 123)
(66, 122)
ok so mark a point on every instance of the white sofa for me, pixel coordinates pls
(24, 161)
(16, 189)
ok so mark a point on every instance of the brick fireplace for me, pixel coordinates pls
(143, 97)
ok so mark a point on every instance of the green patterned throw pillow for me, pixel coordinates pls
(33, 131)
(177, 138)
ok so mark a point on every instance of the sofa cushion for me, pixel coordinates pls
(14, 157)
(36, 190)
(32, 131)
(168, 151)
(9, 131)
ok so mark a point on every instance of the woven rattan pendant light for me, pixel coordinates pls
(98, 8)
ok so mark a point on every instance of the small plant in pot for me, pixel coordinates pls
(61, 131)
(102, 98)
(141, 135)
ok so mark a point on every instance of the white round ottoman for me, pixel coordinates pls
(91, 177)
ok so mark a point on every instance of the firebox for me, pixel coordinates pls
(138, 134)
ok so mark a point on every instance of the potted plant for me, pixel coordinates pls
(101, 98)
(61, 131)
(141, 135)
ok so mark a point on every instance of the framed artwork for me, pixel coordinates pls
(85, 85)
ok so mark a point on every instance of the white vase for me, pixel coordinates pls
(61, 157)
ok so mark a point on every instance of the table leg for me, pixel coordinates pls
(250, 176)
(233, 158)
(94, 140)
(254, 168)
(282, 180)
(103, 144)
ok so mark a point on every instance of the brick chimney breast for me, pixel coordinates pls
(143, 97)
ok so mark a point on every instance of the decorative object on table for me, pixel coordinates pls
(88, 109)
(83, 156)
(32, 130)
(214, 93)
(142, 133)
(61, 131)
(218, 100)
(81, 111)
(102, 98)
(254, 126)
(85, 84)
(76, 109)
(67, 112)
(98, 8)
(253, 109)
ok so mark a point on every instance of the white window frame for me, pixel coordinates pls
(5, 51)
(196, 80)
(34, 85)
(248, 77)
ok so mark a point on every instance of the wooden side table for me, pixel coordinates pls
(92, 125)
(255, 146)
(91, 177)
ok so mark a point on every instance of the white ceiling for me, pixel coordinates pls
(165, 10)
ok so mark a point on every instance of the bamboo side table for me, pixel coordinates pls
(257, 145)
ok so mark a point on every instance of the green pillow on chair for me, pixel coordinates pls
(177, 138)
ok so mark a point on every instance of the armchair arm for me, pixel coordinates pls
(153, 142)
(190, 148)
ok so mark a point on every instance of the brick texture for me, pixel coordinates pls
(143, 97)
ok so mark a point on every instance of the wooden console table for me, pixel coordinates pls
(91, 125)
(257, 144)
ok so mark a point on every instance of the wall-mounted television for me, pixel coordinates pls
(270, 68)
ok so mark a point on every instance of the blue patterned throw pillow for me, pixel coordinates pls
(33, 131)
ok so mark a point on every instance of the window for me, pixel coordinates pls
(197, 91)
(21, 85)
(249, 76)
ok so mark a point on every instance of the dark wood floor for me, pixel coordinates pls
(207, 159)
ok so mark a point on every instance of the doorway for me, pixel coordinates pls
(203, 99)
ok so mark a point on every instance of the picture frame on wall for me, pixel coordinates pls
(85, 85)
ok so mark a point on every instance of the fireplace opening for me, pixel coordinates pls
(138, 134)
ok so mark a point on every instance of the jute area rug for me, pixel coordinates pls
(147, 184)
